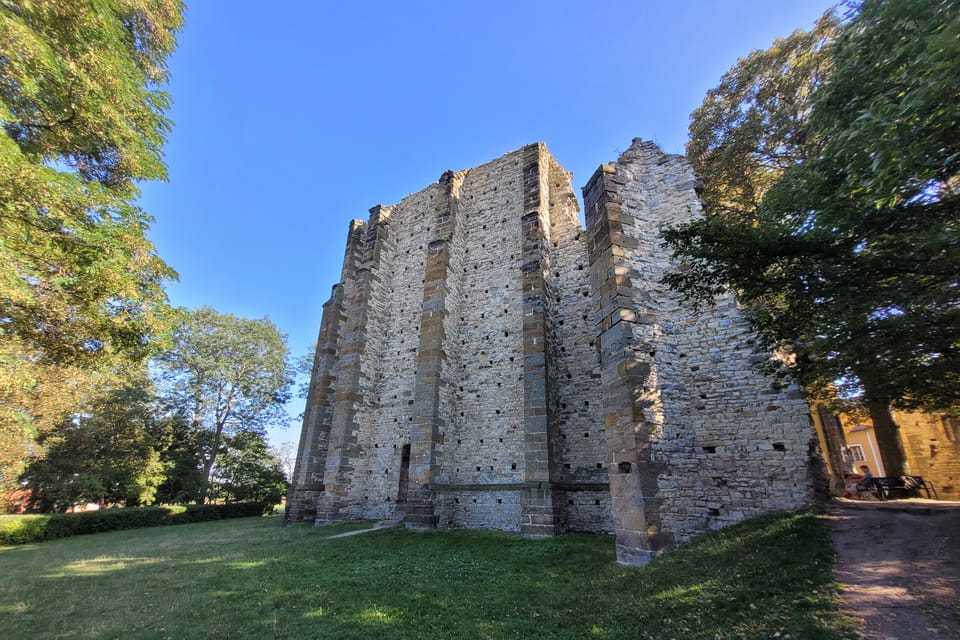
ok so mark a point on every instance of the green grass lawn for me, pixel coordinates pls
(251, 578)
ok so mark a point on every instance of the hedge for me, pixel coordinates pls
(28, 529)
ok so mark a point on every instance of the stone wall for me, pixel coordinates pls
(456, 362)
(697, 439)
(486, 362)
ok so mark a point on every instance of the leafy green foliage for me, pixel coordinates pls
(253, 579)
(182, 457)
(227, 381)
(248, 471)
(80, 84)
(225, 374)
(749, 128)
(109, 455)
(850, 262)
(39, 528)
(81, 286)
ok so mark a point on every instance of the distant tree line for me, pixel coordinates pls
(190, 431)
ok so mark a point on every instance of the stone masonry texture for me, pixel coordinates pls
(487, 362)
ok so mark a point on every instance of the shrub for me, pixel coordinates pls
(22, 529)
(37, 528)
(206, 512)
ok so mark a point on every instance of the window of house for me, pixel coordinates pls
(856, 453)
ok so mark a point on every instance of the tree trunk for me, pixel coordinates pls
(207, 470)
(209, 462)
(834, 443)
(888, 439)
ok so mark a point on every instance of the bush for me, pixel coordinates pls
(37, 528)
(22, 529)
(206, 512)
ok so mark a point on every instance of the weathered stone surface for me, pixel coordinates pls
(700, 438)
(487, 362)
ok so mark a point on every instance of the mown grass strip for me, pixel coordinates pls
(253, 579)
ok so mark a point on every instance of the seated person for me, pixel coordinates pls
(857, 482)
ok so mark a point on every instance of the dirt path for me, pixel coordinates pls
(899, 564)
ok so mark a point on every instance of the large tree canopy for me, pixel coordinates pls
(851, 259)
(750, 127)
(226, 374)
(81, 287)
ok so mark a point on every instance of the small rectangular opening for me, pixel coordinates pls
(404, 474)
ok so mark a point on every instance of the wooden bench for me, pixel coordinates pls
(890, 487)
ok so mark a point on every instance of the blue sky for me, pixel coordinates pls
(295, 116)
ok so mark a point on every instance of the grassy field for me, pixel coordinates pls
(251, 578)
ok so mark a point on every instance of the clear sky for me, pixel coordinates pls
(295, 116)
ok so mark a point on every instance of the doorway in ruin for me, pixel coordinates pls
(404, 480)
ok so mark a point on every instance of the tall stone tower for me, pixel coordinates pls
(486, 362)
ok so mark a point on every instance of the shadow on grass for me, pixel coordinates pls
(253, 579)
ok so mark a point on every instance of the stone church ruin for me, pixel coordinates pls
(487, 362)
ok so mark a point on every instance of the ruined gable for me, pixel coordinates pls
(486, 362)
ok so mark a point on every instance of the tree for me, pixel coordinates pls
(226, 374)
(109, 455)
(183, 455)
(302, 368)
(749, 128)
(286, 453)
(851, 262)
(81, 287)
(248, 470)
